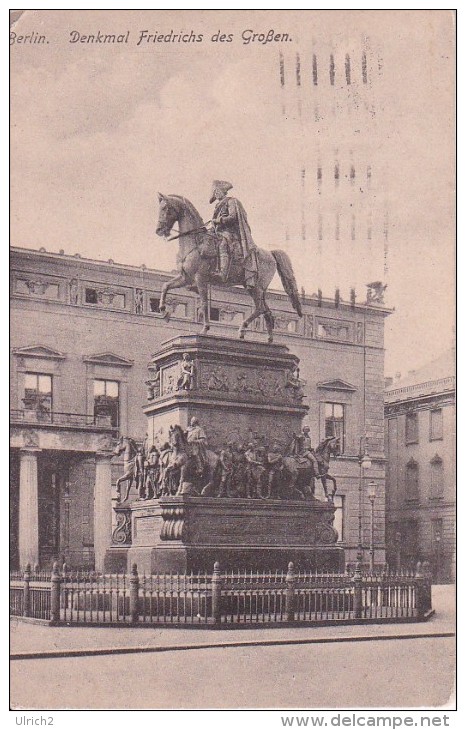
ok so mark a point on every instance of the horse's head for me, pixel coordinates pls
(176, 208)
(176, 437)
(329, 446)
(168, 215)
(120, 446)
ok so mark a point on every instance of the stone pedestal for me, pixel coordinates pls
(238, 389)
(186, 533)
(28, 537)
(241, 393)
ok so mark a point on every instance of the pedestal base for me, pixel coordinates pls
(184, 534)
(182, 559)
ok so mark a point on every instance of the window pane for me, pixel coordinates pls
(411, 427)
(436, 476)
(45, 384)
(328, 409)
(111, 388)
(30, 381)
(338, 410)
(99, 387)
(436, 424)
(412, 481)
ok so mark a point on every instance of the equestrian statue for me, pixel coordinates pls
(222, 251)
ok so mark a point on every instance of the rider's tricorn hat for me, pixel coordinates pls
(219, 185)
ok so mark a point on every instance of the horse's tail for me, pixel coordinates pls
(287, 277)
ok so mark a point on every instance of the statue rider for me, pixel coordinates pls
(303, 448)
(231, 222)
(197, 439)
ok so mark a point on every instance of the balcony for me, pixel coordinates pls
(41, 417)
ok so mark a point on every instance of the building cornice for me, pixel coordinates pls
(109, 266)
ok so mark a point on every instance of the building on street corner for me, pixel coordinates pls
(420, 431)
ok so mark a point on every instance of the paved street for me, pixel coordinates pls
(397, 673)
(348, 666)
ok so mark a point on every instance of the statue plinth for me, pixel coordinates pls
(248, 400)
(238, 388)
(187, 533)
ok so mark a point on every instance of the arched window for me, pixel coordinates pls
(412, 480)
(436, 478)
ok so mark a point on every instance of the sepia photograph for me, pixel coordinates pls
(233, 363)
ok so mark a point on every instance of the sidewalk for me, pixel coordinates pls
(32, 640)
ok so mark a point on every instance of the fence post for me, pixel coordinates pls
(428, 579)
(290, 593)
(357, 589)
(134, 594)
(217, 595)
(26, 592)
(55, 595)
(424, 588)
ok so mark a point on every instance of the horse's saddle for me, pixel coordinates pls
(209, 248)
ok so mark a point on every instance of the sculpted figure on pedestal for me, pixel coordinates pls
(186, 377)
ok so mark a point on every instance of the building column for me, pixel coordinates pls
(28, 533)
(102, 507)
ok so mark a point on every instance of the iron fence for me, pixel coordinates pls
(30, 593)
(220, 598)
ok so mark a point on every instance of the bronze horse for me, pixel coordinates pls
(196, 255)
(179, 473)
(128, 447)
(302, 476)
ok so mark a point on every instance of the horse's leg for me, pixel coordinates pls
(118, 489)
(334, 482)
(202, 288)
(259, 308)
(323, 479)
(129, 479)
(176, 283)
(269, 323)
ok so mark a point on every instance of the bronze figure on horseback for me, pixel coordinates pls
(223, 253)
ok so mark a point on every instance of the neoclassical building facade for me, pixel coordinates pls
(420, 429)
(82, 335)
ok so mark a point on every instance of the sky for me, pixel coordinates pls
(98, 129)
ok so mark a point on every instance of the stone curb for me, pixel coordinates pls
(63, 653)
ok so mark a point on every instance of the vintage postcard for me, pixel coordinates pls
(232, 409)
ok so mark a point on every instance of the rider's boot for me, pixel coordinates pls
(224, 264)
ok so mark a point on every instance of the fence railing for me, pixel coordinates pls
(219, 599)
(59, 418)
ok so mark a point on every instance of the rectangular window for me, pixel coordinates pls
(437, 535)
(107, 400)
(412, 428)
(412, 481)
(38, 393)
(214, 314)
(436, 478)
(154, 303)
(436, 424)
(90, 296)
(335, 423)
(339, 521)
